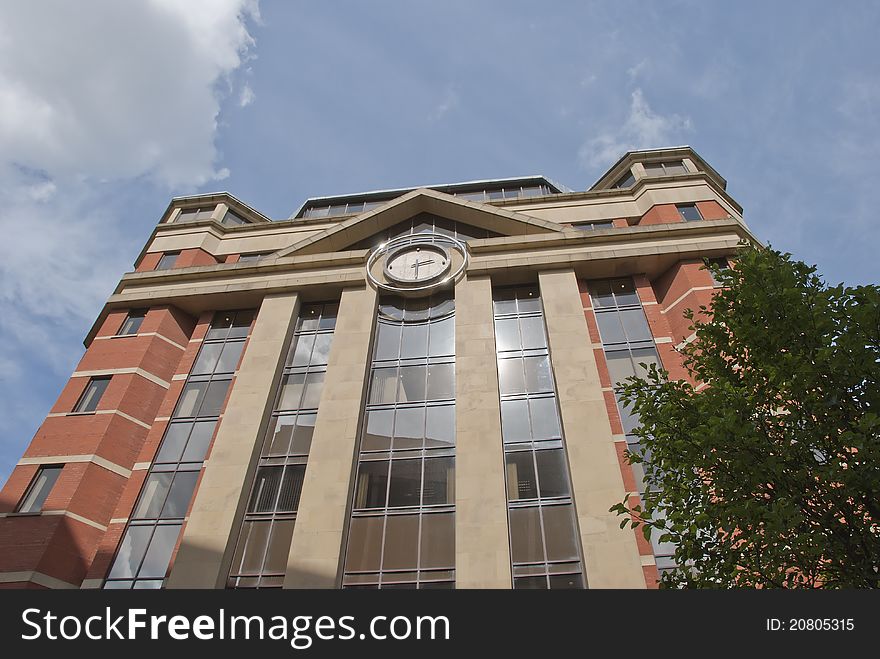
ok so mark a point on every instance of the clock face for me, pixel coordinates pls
(417, 264)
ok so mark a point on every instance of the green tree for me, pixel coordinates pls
(768, 476)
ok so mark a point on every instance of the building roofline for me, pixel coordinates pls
(557, 188)
(613, 173)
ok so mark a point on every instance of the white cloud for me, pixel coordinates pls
(643, 129)
(96, 99)
(247, 96)
(117, 89)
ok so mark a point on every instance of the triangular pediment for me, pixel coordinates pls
(358, 230)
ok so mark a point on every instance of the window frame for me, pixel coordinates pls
(43, 494)
(84, 399)
(163, 265)
(137, 315)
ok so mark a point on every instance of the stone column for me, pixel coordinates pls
(482, 549)
(208, 539)
(611, 557)
(315, 559)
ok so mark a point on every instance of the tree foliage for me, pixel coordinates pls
(769, 476)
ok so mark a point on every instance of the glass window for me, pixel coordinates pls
(537, 374)
(207, 359)
(689, 212)
(401, 542)
(515, 421)
(438, 541)
(413, 383)
(559, 532)
(414, 342)
(153, 495)
(91, 396)
(440, 427)
(511, 379)
(365, 544)
(635, 325)
(378, 433)
(521, 483)
(252, 257)
(439, 485)
(131, 552)
(552, 473)
(180, 494)
(132, 322)
(507, 334)
(626, 181)
(39, 489)
(442, 338)
(214, 397)
(388, 342)
(532, 332)
(409, 427)
(405, 484)
(167, 261)
(441, 381)
(231, 219)
(526, 544)
(545, 420)
(372, 484)
(159, 551)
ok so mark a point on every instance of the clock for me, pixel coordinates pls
(417, 263)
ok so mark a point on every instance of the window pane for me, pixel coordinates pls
(566, 581)
(515, 421)
(646, 356)
(309, 317)
(159, 553)
(39, 490)
(414, 342)
(191, 398)
(265, 490)
(619, 366)
(441, 381)
(507, 334)
(251, 548)
(635, 325)
(321, 353)
(378, 433)
(600, 291)
(173, 443)
(533, 332)
(442, 338)
(328, 316)
(131, 551)
(675, 167)
(220, 325)
(282, 433)
(559, 530)
(95, 388)
(229, 359)
(409, 427)
(545, 422)
(439, 484)
(167, 261)
(528, 301)
(153, 495)
(214, 397)
(199, 440)
(530, 583)
(302, 435)
(654, 169)
(552, 473)
(383, 388)
(520, 476)
(406, 476)
(207, 359)
(440, 426)
(180, 494)
(241, 324)
(372, 484)
(525, 535)
(438, 541)
(610, 328)
(412, 383)
(291, 488)
(303, 350)
(538, 374)
(279, 547)
(312, 394)
(624, 292)
(505, 302)
(364, 544)
(132, 322)
(401, 542)
(291, 391)
(510, 376)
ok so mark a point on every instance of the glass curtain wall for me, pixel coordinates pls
(260, 557)
(627, 342)
(143, 556)
(544, 545)
(402, 530)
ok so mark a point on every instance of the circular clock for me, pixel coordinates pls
(417, 263)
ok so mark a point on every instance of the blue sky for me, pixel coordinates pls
(108, 109)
